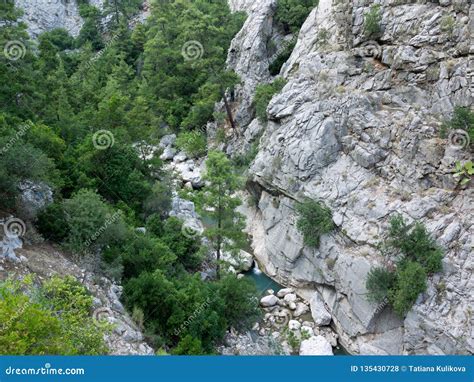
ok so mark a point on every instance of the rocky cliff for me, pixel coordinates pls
(45, 15)
(357, 126)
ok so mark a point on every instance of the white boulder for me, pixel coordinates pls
(269, 301)
(316, 345)
(283, 292)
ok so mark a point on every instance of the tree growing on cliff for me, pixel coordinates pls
(218, 202)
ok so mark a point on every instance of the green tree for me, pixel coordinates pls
(218, 202)
(415, 241)
(241, 309)
(189, 346)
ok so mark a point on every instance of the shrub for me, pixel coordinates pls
(73, 304)
(155, 296)
(378, 284)
(420, 256)
(193, 143)
(464, 171)
(293, 13)
(373, 18)
(314, 220)
(159, 201)
(145, 254)
(264, 94)
(415, 242)
(54, 319)
(189, 346)
(410, 282)
(52, 223)
(27, 327)
(89, 221)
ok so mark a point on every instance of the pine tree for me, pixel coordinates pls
(219, 202)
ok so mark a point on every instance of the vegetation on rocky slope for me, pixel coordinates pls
(74, 119)
(417, 256)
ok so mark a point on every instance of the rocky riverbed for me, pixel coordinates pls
(290, 326)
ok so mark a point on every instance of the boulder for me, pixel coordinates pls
(294, 325)
(301, 308)
(291, 297)
(283, 292)
(34, 196)
(319, 313)
(316, 345)
(167, 140)
(270, 300)
(168, 153)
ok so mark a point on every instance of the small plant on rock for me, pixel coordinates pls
(373, 19)
(264, 94)
(315, 219)
(465, 172)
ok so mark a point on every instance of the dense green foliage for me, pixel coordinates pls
(74, 114)
(264, 94)
(414, 241)
(379, 282)
(193, 143)
(314, 220)
(410, 282)
(53, 319)
(293, 13)
(418, 256)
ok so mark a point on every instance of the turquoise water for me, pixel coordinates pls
(262, 281)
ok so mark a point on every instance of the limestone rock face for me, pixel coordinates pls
(45, 15)
(357, 126)
(319, 313)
